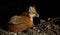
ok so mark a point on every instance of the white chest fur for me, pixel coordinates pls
(31, 19)
(31, 16)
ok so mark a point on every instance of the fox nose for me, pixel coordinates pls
(37, 15)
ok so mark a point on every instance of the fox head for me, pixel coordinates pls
(33, 12)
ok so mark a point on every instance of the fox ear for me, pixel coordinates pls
(30, 8)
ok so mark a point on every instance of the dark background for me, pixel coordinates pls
(44, 8)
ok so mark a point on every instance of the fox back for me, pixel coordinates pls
(24, 21)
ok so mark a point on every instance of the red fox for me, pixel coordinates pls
(24, 21)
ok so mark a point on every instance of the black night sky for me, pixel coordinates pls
(43, 7)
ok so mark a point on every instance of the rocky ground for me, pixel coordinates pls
(43, 28)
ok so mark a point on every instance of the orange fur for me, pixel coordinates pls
(22, 22)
